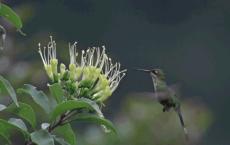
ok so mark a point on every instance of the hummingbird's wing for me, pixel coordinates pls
(175, 90)
(172, 90)
(151, 95)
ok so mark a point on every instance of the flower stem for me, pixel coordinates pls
(61, 121)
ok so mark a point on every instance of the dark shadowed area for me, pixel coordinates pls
(189, 40)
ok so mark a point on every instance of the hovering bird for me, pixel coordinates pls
(165, 95)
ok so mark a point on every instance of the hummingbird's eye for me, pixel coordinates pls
(155, 72)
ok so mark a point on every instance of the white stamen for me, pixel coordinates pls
(49, 53)
(98, 59)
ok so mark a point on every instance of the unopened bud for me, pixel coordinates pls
(72, 71)
(54, 63)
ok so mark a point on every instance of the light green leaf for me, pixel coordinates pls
(57, 92)
(69, 105)
(61, 141)
(2, 107)
(95, 119)
(97, 109)
(7, 86)
(10, 15)
(24, 111)
(38, 96)
(42, 137)
(6, 129)
(94, 105)
(18, 122)
(67, 133)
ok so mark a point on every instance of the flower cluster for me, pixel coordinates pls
(90, 73)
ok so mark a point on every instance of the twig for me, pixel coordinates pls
(61, 121)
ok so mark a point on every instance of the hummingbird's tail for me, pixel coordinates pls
(182, 123)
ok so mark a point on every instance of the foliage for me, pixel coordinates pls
(12, 17)
(58, 116)
(72, 99)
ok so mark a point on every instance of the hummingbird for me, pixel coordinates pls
(165, 95)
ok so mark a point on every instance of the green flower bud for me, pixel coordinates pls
(72, 71)
(49, 71)
(54, 63)
(105, 94)
(62, 69)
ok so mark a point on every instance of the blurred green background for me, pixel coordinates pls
(188, 39)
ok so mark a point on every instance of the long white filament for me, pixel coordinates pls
(51, 52)
(96, 58)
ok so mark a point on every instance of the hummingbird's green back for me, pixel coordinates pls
(162, 89)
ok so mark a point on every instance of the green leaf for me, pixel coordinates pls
(38, 96)
(11, 16)
(57, 92)
(61, 141)
(69, 105)
(67, 133)
(42, 137)
(4, 139)
(95, 119)
(19, 123)
(2, 107)
(24, 111)
(94, 105)
(6, 129)
(7, 86)
(97, 109)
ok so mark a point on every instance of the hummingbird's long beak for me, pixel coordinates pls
(143, 70)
